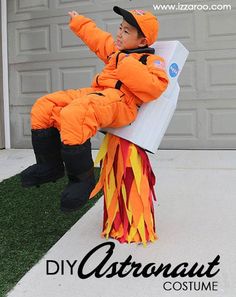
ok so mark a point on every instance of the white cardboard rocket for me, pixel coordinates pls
(154, 117)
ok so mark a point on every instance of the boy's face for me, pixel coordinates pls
(127, 37)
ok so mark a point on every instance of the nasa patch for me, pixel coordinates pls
(173, 70)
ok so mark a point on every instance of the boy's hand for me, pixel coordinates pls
(73, 13)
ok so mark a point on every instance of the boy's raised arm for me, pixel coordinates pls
(99, 41)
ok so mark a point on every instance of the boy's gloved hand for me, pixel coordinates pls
(73, 13)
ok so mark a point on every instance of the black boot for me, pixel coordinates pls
(79, 166)
(49, 167)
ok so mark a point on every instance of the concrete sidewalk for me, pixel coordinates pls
(195, 218)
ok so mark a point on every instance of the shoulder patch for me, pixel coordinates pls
(159, 64)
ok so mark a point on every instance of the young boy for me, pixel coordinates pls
(63, 122)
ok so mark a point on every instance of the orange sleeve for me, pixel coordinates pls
(147, 82)
(99, 41)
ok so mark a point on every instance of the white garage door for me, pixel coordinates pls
(44, 56)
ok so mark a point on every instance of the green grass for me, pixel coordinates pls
(30, 223)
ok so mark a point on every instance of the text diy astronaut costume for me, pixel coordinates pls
(63, 122)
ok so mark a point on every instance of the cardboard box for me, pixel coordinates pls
(154, 117)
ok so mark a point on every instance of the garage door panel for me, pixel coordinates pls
(183, 24)
(111, 24)
(222, 122)
(28, 10)
(20, 126)
(209, 75)
(212, 125)
(68, 41)
(219, 74)
(69, 3)
(33, 40)
(216, 29)
(28, 84)
(22, 9)
(187, 120)
(35, 81)
(24, 5)
(52, 40)
(188, 81)
(75, 77)
(30, 81)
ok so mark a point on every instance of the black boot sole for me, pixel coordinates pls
(37, 183)
(77, 197)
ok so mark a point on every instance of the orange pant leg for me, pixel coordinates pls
(82, 118)
(45, 112)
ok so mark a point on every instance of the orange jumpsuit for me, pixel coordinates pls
(78, 114)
